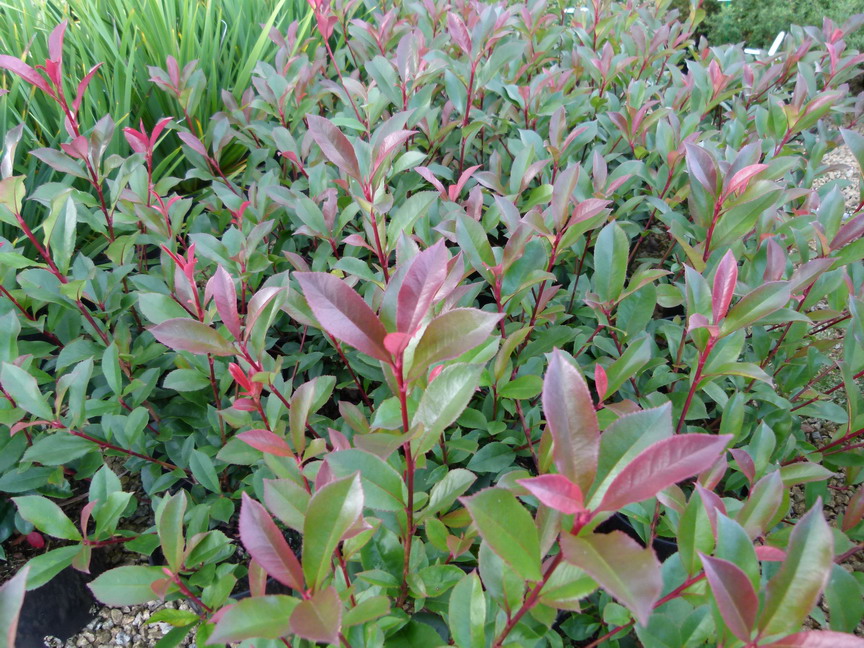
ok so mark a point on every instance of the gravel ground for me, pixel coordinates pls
(128, 626)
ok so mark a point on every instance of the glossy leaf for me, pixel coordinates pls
(572, 421)
(261, 617)
(319, 618)
(343, 314)
(508, 529)
(221, 287)
(11, 600)
(725, 280)
(334, 144)
(182, 334)
(817, 639)
(267, 442)
(46, 516)
(266, 544)
(22, 387)
(129, 585)
(734, 595)
(629, 572)
(450, 335)
(466, 615)
(424, 278)
(556, 492)
(662, 464)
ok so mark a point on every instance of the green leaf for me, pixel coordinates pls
(442, 403)
(184, 334)
(129, 585)
(169, 526)
(610, 262)
(629, 572)
(22, 387)
(383, 487)
(795, 589)
(46, 516)
(508, 529)
(333, 510)
(758, 303)
(366, 610)
(844, 598)
(58, 449)
(450, 335)
(446, 490)
(635, 356)
(762, 504)
(46, 566)
(466, 614)
(694, 534)
(203, 471)
(319, 618)
(522, 388)
(261, 617)
(185, 380)
(176, 618)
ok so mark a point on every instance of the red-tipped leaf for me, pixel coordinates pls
(266, 442)
(183, 334)
(662, 464)
(266, 544)
(572, 421)
(424, 278)
(733, 592)
(343, 313)
(334, 145)
(725, 279)
(221, 287)
(818, 639)
(556, 492)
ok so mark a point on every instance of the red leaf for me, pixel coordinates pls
(850, 231)
(701, 167)
(82, 86)
(19, 67)
(137, 140)
(343, 313)
(455, 190)
(55, 42)
(662, 464)
(266, 544)
(733, 592)
(334, 145)
(183, 334)
(725, 280)
(572, 421)
(742, 177)
(745, 463)
(396, 343)
(601, 382)
(767, 553)
(428, 176)
(319, 618)
(390, 143)
(424, 278)
(459, 32)
(221, 287)
(818, 639)
(854, 509)
(556, 492)
(266, 442)
(193, 142)
(158, 128)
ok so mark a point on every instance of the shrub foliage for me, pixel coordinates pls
(433, 305)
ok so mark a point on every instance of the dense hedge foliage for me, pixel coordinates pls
(432, 304)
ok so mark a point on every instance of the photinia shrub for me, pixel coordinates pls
(452, 329)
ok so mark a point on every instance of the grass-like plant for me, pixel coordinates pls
(430, 309)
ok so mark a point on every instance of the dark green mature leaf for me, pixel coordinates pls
(383, 487)
(508, 529)
(759, 303)
(443, 401)
(629, 572)
(845, 602)
(169, 526)
(23, 388)
(333, 510)
(610, 262)
(129, 585)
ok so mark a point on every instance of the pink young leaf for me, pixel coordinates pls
(30, 75)
(343, 313)
(319, 618)
(157, 130)
(710, 477)
(854, 509)
(587, 209)
(338, 440)
(712, 503)
(183, 334)
(86, 512)
(459, 32)
(334, 145)
(745, 463)
(138, 142)
(244, 405)
(818, 639)
(428, 176)
(767, 553)
(601, 382)
(733, 592)
(572, 421)
(424, 278)
(221, 288)
(82, 87)
(55, 42)
(725, 280)
(702, 167)
(193, 142)
(628, 571)
(738, 183)
(390, 143)
(852, 230)
(396, 342)
(555, 491)
(662, 464)
(266, 544)
(11, 600)
(266, 442)
(455, 190)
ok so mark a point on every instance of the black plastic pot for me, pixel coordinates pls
(663, 547)
(60, 608)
